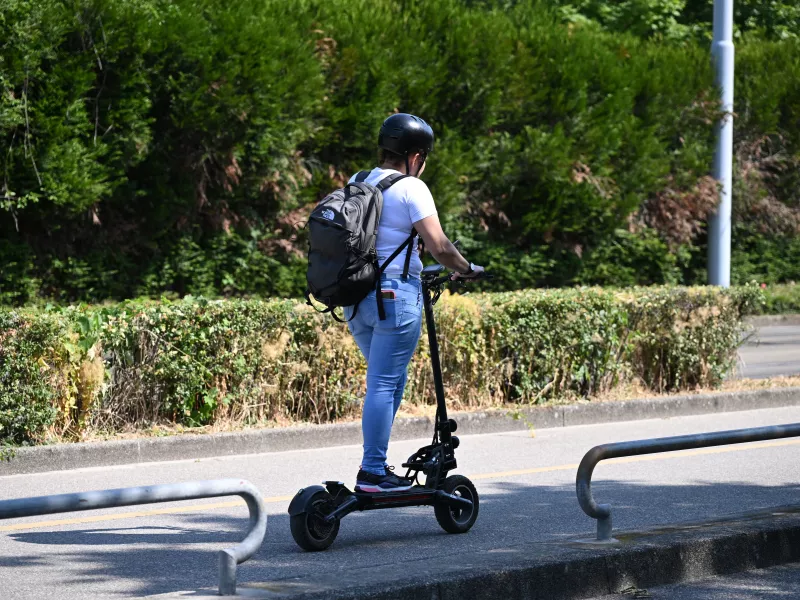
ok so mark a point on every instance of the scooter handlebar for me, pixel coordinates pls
(448, 278)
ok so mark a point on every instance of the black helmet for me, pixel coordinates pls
(404, 134)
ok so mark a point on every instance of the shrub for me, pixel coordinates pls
(782, 299)
(30, 375)
(552, 343)
(683, 338)
(630, 259)
(69, 371)
(764, 258)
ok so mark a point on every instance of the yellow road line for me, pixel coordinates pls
(275, 499)
(523, 472)
(644, 458)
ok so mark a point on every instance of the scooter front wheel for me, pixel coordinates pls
(458, 520)
(309, 528)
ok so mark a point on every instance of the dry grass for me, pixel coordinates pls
(630, 391)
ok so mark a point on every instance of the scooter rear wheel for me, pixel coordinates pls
(458, 520)
(309, 528)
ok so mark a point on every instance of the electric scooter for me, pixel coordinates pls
(315, 512)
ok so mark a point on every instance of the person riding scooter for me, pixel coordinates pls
(404, 142)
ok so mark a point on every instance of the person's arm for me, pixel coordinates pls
(442, 249)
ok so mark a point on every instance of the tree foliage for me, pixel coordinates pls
(686, 19)
(175, 146)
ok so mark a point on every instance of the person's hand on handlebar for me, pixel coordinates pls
(444, 251)
(475, 273)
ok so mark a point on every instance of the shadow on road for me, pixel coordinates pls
(171, 553)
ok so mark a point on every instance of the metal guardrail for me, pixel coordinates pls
(602, 512)
(193, 490)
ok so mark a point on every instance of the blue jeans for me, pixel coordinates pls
(387, 346)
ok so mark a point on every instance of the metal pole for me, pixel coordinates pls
(602, 512)
(719, 224)
(191, 490)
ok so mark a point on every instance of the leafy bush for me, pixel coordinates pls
(781, 299)
(18, 285)
(630, 259)
(550, 343)
(682, 19)
(765, 258)
(30, 375)
(686, 337)
(68, 371)
(188, 360)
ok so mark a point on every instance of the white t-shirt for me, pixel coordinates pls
(406, 202)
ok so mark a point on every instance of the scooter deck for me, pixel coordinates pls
(418, 495)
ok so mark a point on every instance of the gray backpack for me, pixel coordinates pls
(342, 262)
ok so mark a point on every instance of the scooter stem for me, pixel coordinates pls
(433, 343)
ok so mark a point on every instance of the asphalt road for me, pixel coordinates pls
(527, 494)
(777, 583)
(771, 351)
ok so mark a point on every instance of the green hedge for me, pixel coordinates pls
(781, 299)
(65, 372)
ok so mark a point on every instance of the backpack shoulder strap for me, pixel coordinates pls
(407, 264)
(384, 185)
(388, 181)
(361, 176)
(410, 243)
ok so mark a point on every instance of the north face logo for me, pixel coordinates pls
(328, 214)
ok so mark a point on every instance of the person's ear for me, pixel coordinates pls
(422, 168)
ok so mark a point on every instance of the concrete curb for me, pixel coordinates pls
(767, 320)
(187, 446)
(559, 571)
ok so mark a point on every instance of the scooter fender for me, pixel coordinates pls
(301, 498)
